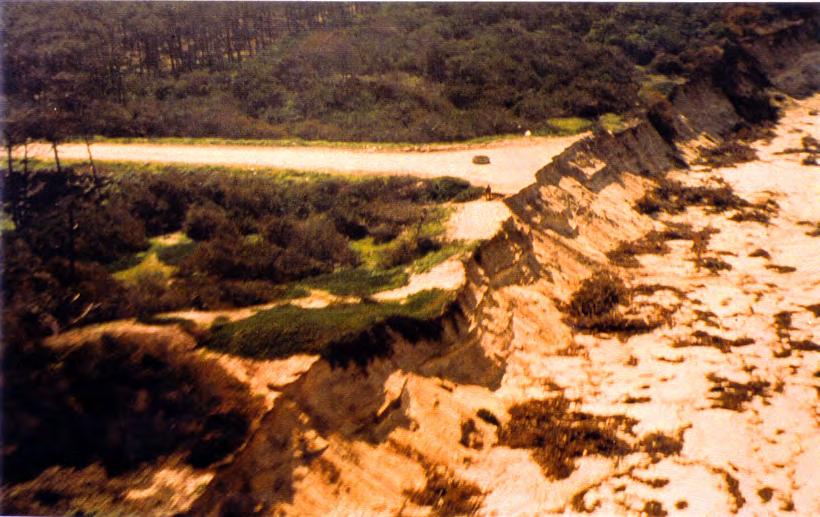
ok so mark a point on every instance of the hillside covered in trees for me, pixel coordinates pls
(344, 71)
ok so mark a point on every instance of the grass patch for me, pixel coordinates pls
(159, 260)
(569, 125)
(611, 122)
(287, 329)
(358, 282)
(449, 250)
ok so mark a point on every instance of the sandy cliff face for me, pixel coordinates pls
(712, 409)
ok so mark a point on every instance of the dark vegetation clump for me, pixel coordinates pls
(777, 268)
(653, 242)
(597, 296)
(766, 493)
(558, 436)
(654, 509)
(446, 494)
(713, 264)
(701, 338)
(673, 197)
(733, 395)
(112, 402)
(759, 252)
(488, 416)
(726, 154)
(658, 445)
(594, 307)
(733, 486)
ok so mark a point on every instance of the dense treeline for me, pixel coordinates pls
(413, 72)
(250, 234)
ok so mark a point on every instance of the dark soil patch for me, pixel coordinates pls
(446, 494)
(701, 338)
(759, 252)
(814, 309)
(557, 435)
(733, 395)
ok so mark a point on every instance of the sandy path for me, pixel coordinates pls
(513, 162)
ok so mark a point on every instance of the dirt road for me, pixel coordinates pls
(512, 162)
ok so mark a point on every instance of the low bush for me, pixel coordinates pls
(204, 223)
(597, 296)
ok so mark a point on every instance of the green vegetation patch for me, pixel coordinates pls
(160, 259)
(359, 281)
(569, 125)
(288, 329)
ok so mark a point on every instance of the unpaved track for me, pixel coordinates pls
(512, 166)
